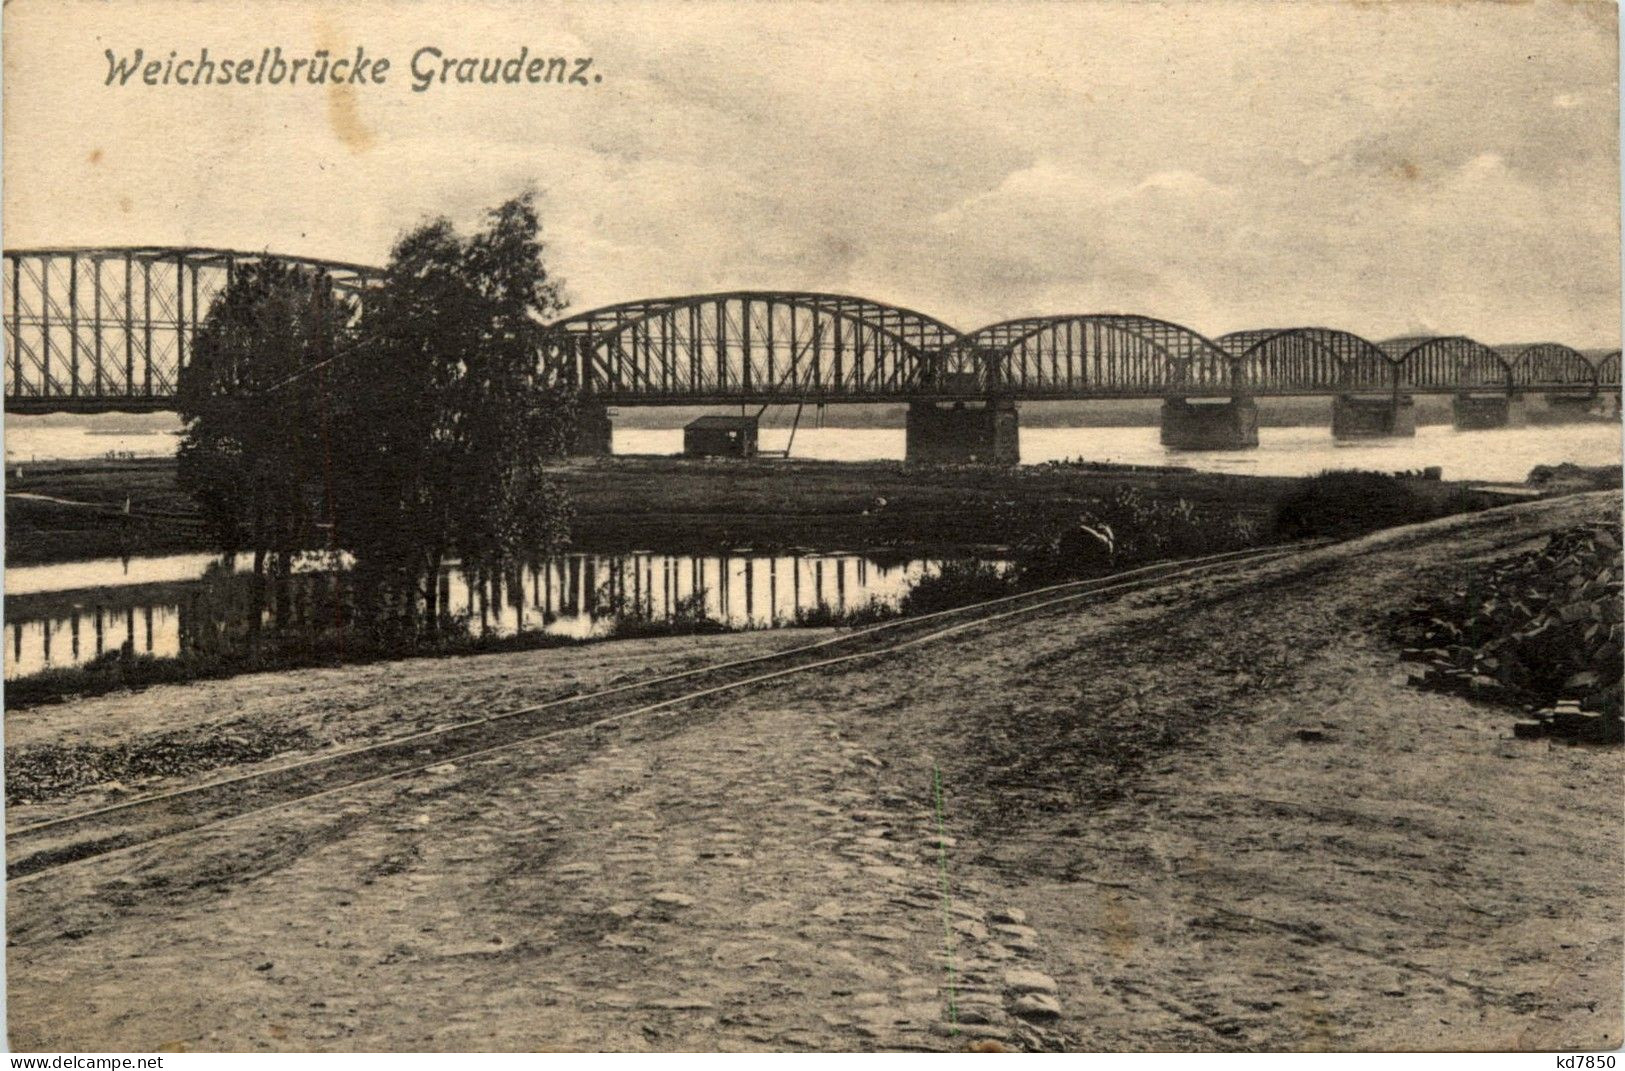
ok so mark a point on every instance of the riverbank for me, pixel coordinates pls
(678, 506)
(1211, 816)
(69, 637)
(75, 510)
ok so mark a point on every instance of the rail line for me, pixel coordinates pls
(43, 847)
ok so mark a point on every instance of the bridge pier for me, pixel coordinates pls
(1356, 417)
(938, 434)
(1575, 406)
(593, 432)
(1473, 412)
(1209, 424)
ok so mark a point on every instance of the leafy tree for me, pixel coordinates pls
(254, 451)
(409, 432)
(445, 424)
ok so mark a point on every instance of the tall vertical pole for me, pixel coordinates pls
(146, 322)
(73, 324)
(860, 335)
(795, 346)
(694, 349)
(129, 333)
(670, 323)
(45, 324)
(180, 318)
(16, 326)
(744, 341)
(650, 362)
(836, 379)
(96, 322)
(817, 353)
(722, 344)
(772, 375)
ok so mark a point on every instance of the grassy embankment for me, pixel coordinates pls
(161, 517)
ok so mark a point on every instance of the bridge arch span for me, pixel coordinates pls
(1100, 354)
(1607, 366)
(1449, 362)
(110, 327)
(743, 346)
(1548, 364)
(1310, 359)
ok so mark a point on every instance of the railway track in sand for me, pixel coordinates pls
(33, 851)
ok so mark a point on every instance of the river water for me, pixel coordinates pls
(565, 595)
(1499, 455)
(571, 594)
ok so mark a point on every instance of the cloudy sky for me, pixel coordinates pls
(1385, 167)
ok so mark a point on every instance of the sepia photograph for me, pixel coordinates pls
(934, 526)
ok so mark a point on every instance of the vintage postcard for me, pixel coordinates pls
(812, 526)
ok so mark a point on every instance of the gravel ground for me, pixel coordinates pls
(1209, 817)
(307, 712)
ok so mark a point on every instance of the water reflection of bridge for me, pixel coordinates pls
(575, 593)
(94, 330)
(569, 594)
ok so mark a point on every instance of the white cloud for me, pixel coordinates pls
(1367, 166)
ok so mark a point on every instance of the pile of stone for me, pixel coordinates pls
(1568, 721)
(1541, 631)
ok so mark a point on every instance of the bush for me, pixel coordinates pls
(635, 620)
(1124, 530)
(1348, 503)
(873, 612)
(958, 583)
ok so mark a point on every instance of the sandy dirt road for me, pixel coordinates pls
(308, 713)
(1139, 849)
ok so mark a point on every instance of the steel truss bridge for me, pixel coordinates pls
(109, 329)
(101, 330)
